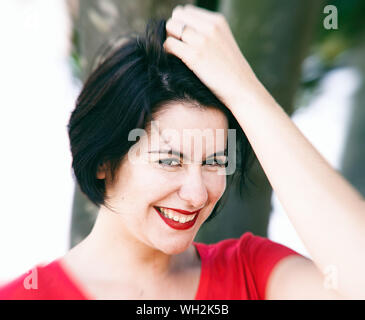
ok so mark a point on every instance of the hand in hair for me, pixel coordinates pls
(209, 49)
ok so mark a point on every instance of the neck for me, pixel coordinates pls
(114, 251)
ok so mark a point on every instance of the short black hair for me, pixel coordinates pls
(132, 81)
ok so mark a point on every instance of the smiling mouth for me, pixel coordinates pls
(176, 216)
(177, 220)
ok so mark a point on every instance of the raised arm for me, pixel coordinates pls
(326, 211)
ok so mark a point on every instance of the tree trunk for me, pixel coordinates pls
(95, 23)
(274, 36)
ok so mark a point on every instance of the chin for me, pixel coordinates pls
(174, 248)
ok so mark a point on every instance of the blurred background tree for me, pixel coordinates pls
(344, 47)
(290, 51)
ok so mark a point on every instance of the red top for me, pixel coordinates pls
(234, 269)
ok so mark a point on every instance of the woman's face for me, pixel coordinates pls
(150, 178)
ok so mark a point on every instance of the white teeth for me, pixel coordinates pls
(176, 216)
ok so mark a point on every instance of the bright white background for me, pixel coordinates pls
(37, 96)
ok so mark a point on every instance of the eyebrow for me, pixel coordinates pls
(182, 156)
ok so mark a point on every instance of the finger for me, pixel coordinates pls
(207, 14)
(197, 21)
(174, 28)
(178, 49)
(203, 13)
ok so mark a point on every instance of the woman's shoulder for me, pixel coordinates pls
(242, 264)
(29, 285)
(248, 246)
(45, 281)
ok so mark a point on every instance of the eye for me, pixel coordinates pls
(168, 162)
(174, 163)
(215, 163)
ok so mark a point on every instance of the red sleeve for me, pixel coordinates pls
(17, 290)
(43, 282)
(262, 255)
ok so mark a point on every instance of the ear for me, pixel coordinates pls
(101, 173)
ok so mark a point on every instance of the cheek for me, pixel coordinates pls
(151, 181)
(151, 184)
(216, 186)
(132, 181)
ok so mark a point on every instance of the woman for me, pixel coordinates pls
(153, 197)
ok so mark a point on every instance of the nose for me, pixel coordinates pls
(193, 189)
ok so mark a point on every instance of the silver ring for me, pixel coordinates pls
(182, 31)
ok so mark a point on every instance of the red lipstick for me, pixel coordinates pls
(176, 224)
